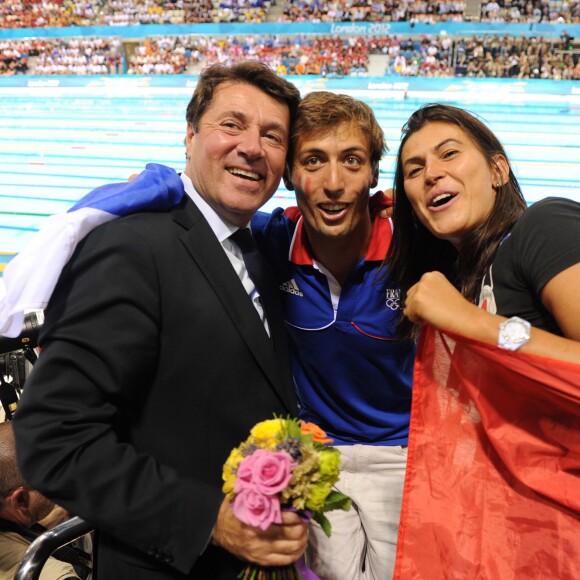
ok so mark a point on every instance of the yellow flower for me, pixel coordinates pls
(234, 459)
(268, 433)
(229, 483)
(229, 470)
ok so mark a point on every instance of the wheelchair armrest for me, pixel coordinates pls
(41, 549)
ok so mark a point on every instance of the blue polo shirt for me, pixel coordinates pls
(353, 375)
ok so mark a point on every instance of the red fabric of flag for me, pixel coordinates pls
(493, 478)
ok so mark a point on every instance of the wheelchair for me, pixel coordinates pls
(17, 356)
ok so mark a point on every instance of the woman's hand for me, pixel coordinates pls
(435, 300)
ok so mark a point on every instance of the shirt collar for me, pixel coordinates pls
(220, 227)
(301, 255)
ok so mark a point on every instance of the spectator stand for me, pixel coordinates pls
(66, 13)
(476, 49)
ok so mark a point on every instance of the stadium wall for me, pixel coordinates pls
(512, 91)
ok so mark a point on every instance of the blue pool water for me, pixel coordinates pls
(55, 145)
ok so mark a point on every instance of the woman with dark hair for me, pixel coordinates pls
(492, 487)
(466, 249)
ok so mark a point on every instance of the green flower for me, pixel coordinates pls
(318, 495)
(329, 464)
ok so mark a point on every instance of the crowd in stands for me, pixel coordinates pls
(297, 54)
(249, 11)
(80, 56)
(430, 56)
(14, 56)
(196, 11)
(518, 57)
(372, 10)
(429, 10)
(165, 55)
(421, 55)
(57, 13)
(481, 57)
(563, 11)
(75, 56)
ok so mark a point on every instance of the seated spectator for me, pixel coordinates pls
(21, 509)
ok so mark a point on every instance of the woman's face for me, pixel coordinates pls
(448, 180)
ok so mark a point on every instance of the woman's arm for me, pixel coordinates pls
(434, 300)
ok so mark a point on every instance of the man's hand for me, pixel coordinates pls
(381, 203)
(279, 545)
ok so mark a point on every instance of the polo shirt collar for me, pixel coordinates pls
(381, 236)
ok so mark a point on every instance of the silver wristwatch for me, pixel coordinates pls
(514, 333)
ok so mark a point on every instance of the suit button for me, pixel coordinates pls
(168, 558)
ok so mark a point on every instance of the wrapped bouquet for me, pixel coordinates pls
(283, 464)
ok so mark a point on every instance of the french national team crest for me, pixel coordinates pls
(393, 298)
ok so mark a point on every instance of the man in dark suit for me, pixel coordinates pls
(158, 356)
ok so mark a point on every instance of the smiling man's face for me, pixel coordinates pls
(237, 155)
(332, 174)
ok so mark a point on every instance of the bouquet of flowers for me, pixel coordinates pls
(283, 464)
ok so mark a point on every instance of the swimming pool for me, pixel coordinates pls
(59, 142)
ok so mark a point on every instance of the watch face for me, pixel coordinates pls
(515, 331)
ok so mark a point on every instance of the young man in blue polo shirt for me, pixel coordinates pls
(353, 375)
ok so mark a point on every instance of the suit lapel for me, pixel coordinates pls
(207, 252)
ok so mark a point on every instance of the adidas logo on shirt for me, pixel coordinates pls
(291, 287)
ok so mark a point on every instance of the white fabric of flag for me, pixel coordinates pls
(31, 276)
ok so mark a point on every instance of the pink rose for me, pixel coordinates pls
(269, 471)
(256, 509)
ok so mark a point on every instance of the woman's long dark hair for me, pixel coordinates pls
(414, 250)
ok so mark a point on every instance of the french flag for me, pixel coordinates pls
(30, 277)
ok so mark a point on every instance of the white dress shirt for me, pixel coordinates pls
(223, 230)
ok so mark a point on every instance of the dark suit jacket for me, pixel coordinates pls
(154, 366)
